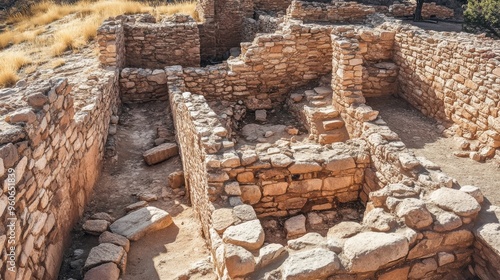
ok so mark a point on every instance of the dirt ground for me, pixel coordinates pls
(438, 26)
(421, 135)
(161, 255)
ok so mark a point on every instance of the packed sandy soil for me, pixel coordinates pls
(165, 254)
(422, 136)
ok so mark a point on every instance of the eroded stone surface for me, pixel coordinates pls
(311, 264)
(138, 223)
(249, 235)
(368, 251)
(459, 202)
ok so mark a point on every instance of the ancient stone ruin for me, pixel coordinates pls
(289, 171)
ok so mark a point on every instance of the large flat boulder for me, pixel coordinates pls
(160, 153)
(368, 251)
(138, 223)
(456, 201)
(249, 235)
(312, 264)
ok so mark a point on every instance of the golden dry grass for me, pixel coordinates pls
(57, 63)
(10, 63)
(29, 39)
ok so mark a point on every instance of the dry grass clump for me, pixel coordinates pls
(70, 32)
(57, 63)
(10, 63)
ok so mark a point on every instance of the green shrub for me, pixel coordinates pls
(483, 14)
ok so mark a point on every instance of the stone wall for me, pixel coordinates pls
(142, 85)
(173, 41)
(429, 10)
(337, 11)
(275, 6)
(487, 247)
(111, 41)
(55, 155)
(222, 26)
(453, 78)
(271, 66)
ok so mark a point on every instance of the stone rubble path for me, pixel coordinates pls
(421, 135)
(177, 250)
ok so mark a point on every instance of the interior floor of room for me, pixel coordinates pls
(125, 178)
(423, 136)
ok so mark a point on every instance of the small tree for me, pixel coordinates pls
(484, 14)
(417, 16)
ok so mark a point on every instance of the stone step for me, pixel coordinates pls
(312, 95)
(331, 138)
(322, 113)
(160, 153)
(329, 125)
(318, 103)
(323, 91)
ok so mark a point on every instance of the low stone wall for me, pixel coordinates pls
(454, 78)
(142, 85)
(336, 11)
(49, 154)
(173, 41)
(138, 41)
(429, 10)
(487, 248)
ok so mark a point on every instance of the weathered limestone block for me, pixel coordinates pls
(269, 253)
(160, 153)
(249, 235)
(108, 237)
(104, 253)
(368, 251)
(414, 212)
(456, 201)
(176, 179)
(222, 219)
(295, 226)
(239, 262)
(141, 222)
(312, 264)
(311, 239)
(95, 227)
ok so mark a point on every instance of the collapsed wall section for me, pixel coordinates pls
(454, 79)
(55, 155)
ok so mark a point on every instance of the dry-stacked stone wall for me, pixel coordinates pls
(222, 26)
(275, 6)
(487, 247)
(111, 42)
(142, 85)
(336, 11)
(453, 78)
(429, 10)
(173, 41)
(271, 66)
(50, 158)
